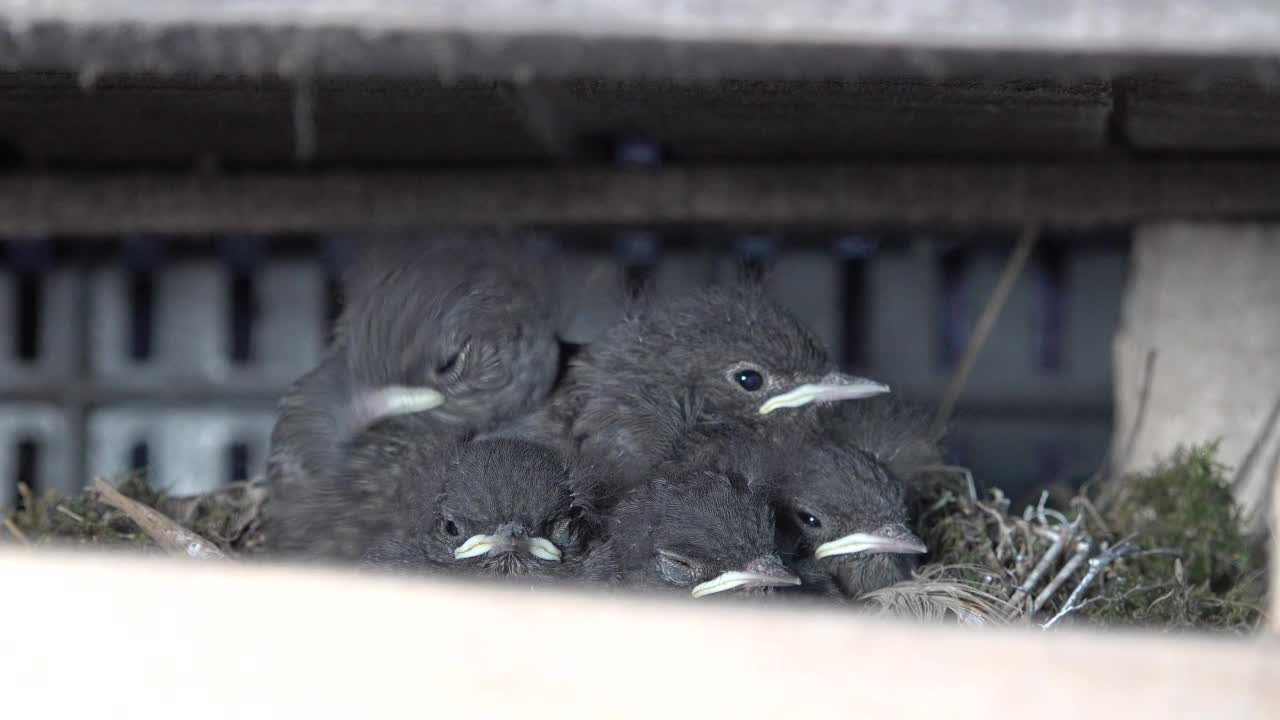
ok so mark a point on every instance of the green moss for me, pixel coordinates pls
(1185, 504)
(80, 519)
(1209, 576)
(230, 518)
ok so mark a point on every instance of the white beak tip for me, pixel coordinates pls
(864, 542)
(736, 578)
(478, 545)
(858, 389)
(399, 400)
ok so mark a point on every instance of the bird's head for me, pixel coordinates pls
(741, 354)
(842, 510)
(508, 507)
(703, 533)
(462, 335)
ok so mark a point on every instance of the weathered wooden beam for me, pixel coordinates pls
(1061, 193)
(666, 37)
(222, 640)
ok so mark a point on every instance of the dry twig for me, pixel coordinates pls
(986, 322)
(15, 531)
(1082, 554)
(164, 531)
(1096, 566)
(69, 513)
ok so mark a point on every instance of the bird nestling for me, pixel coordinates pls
(700, 532)
(498, 508)
(726, 355)
(842, 516)
(460, 326)
(841, 498)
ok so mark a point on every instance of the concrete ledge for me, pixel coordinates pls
(146, 637)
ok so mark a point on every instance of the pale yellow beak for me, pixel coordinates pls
(394, 400)
(478, 545)
(834, 387)
(743, 578)
(868, 543)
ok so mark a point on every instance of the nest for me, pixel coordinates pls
(1166, 548)
(129, 513)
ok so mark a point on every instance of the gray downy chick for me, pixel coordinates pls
(725, 355)
(842, 518)
(699, 532)
(460, 326)
(497, 508)
(841, 499)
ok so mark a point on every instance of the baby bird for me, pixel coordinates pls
(726, 355)
(699, 532)
(497, 508)
(843, 520)
(460, 326)
(841, 498)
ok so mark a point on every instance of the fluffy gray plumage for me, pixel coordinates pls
(516, 489)
(401, 504)
(688, 526)
(470, 316)
(630, 396)
(847, 475)
(839, 471)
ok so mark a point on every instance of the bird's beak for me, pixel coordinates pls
(892, 539)
(832, 387)
(392, 400)
(762, 572)
(507, 540)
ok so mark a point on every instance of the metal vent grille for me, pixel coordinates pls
(170, 355)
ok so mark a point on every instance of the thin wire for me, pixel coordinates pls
(986, 322)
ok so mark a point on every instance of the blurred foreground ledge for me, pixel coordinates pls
(225, 640)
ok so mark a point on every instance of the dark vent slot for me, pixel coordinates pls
(142, 293)
(332, 301)
(27, 316)
(238, 462)
(755, 253)
(243, 309)
(855, 301)
(139, 458)
(637, 250)
(954, 326)
(1052, 310)
(28, 457)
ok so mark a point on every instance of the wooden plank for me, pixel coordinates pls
(1065, 193)
(222, 640)
(1224, 115)
(308, 37)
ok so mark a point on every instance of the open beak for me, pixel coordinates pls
(763, 572)
(833, 387)
(507, 540)
(894, 539)
(373, 405)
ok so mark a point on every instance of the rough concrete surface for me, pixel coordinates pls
(1206, 300)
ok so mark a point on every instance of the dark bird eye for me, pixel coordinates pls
(749, 380)
(676, 569)
(451, 528)
(808, 519)
(452, 363)
(448, 365)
